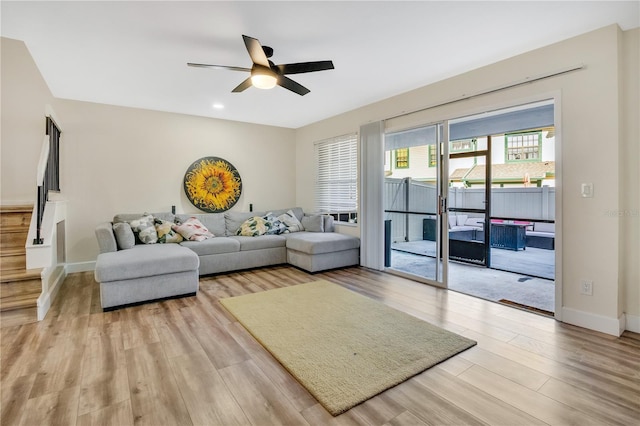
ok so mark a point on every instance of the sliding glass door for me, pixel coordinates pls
(414, 202)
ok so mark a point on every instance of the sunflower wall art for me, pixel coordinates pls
(212, 184)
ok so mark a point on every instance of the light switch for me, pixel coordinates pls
(587, 190)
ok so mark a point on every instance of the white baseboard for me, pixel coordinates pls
(81, 267)
(633, 323)
(46, 299)
(608, 325)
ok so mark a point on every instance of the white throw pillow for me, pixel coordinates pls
(291, 221)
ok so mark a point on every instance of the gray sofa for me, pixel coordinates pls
(148, 272)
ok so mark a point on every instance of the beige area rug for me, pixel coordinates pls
(343, 347)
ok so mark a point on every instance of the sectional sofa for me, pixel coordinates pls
(131, 272)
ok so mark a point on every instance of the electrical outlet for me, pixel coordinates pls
(586, 287)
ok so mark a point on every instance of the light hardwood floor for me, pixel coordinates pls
(187, 361)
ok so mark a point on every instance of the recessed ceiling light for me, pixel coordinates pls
(218, 106)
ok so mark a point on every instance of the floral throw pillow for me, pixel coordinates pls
(291, 222)
(145, 229)
(166, 234)
(193, 230)
(253, 227)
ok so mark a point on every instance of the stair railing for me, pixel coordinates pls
(48, 172)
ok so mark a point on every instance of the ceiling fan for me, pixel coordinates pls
(265, 74)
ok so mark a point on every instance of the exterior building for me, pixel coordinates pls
(518, 159)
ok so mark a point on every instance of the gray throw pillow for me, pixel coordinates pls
(313, 223)
(145, 229)
(124, 235)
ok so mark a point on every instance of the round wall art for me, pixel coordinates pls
(212, 184)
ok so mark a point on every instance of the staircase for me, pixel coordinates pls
(19, 287)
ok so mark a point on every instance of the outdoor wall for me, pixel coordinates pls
(24, 96)
(118, 160)
(588, 144)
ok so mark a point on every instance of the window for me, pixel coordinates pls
(336, 179)
(402, 158)
(464, 145)
(523, 147)
(432, 155)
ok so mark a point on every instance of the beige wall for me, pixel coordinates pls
(116, 159)
(119, 159)
(24, 96)
(588, 149)
(630, 176)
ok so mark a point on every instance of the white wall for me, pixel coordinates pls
(24, 96)
(588, 140)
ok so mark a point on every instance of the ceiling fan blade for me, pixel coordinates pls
(218, 67)
(303, 67)
(289, 84)
(255, 51)
(242, 86)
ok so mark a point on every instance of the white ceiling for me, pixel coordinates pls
(135, 53)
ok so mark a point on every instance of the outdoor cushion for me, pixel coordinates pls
(540, 234)
(544, 227)
(478, 222)
(215, 245)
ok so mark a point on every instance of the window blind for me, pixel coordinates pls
(337, 172)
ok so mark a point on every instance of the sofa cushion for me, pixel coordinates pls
(105, 237)
(233, 220)
(124, 235)
(144, 261)
(128, 217)
(258, 243)
(193, 230)
(217, 245)
(166, 234)
(325, 242)
(214, 222)
(313, 223)
(327, 223)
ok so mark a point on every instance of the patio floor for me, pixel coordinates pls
(524, 277)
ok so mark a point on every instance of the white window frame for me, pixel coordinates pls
(336, 189)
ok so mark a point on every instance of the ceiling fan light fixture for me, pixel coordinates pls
(264, 81)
